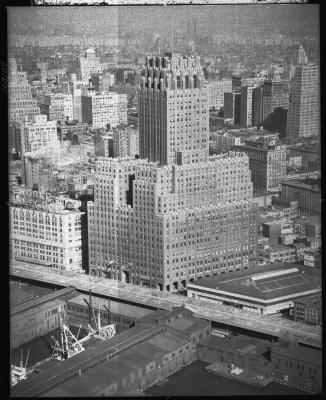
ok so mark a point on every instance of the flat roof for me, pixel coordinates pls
(239, 282)
(96, 379)
(302, 185)
(240, 344)
(310, 355)
(311, 301)
(116, 307)
(58, 295)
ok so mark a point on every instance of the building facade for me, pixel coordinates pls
(232, 103)
(165, 223)
(303, 118)
(146, 220)
(173, 110)
(216, 92)
(105, 108)
(89, 64)
(267, 164)
(297, 366)
(246, 107)
(275, 94)
(57, 107)
(21, 103)
(39, 134)
(125, 142)
(45, 229)
(307, 194)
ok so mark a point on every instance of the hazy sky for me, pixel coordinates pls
(290, 18)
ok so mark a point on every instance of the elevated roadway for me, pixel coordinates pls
(273, 325)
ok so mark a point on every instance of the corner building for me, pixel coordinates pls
(178, 215)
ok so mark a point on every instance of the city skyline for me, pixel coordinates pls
(165, 200)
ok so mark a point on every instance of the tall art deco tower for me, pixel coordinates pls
(175, 215)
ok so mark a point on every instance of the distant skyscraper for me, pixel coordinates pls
(304, 109)
(257, 100)
(246, 108)
(21, 103)
(216, 92)
(275, 94)
(300, 56)
(232, 102)
(182, 215)
(88, 65)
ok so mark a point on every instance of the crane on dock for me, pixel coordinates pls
(18, 374)
(69, 345)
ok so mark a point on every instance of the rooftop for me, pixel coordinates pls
(279, 280)
(311, 301)
(62, 294)
(311, 184)
(302, 353)
(116, 307)
(240, 344)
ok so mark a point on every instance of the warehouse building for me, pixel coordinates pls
(37, 317)
(265, 289)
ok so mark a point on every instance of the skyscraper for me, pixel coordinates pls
(180, 215)
(304, 108)
(300, 56)
(232, 103)
(246, 107)
(275, 94)
(173, 110)
(21, 103)
(257, 99)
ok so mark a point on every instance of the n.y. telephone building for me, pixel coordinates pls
(175, 215)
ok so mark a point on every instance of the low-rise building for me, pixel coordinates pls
(264, 289)
(306, 192)
(312, 258)
(244, 352)
(37, 316)
(308, 310)
(160, 344)
(277, 253)
(296, 365)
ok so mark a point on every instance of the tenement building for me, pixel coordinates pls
(176, 215)
(45, 229)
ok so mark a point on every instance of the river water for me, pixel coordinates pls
(195, 381)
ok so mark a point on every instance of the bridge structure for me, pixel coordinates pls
(272, 325)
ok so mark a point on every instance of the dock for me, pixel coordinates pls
(274, 325)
